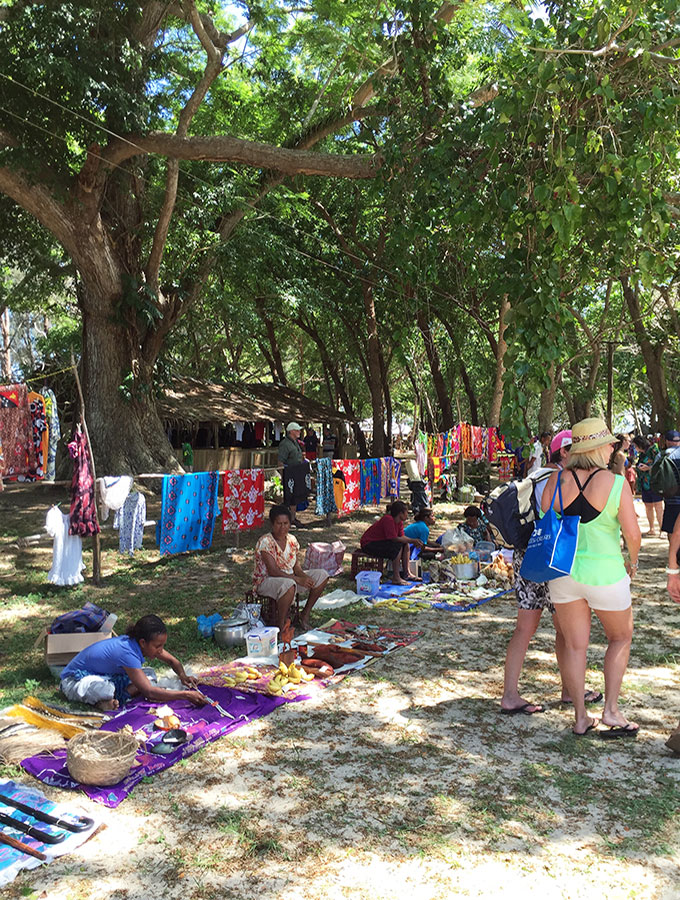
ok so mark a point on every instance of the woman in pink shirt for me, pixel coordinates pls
(386, 539)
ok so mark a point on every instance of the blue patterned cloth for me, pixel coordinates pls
(389, 476)
(370, 482)
(325, 495)
(188, 508)
(130, 520)
(54, 432)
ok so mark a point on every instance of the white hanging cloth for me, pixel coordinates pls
(113, 491)
(67, 549)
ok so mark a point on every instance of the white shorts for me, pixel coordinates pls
(606, 597)
(277, 587)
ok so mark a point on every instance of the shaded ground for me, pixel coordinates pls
(401, 781)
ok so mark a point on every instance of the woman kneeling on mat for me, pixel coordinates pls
(386, 540)
(109, 673)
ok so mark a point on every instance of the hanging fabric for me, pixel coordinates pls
(243, 499)
(421, 457)
(54, 432)
(297, 484)
(130, 521)
(83, 511)
(369, 482)
(113, 492)
(39, 434)
(325, 493)
(476, 442)
(390, 477)
(16, 433)
(351, 499)
(188, 507)
(67, 550)
(338, 486)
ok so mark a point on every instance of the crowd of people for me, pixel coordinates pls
(592, 469)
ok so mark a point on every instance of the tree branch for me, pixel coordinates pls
(250, 153)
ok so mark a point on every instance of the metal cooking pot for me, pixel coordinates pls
(231, 632)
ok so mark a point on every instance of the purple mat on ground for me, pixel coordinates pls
(203, 725)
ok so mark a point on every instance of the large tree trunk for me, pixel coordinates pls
(663, 416)
(126, 432)
(443, 397)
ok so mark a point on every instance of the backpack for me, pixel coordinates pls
(664, 476)
(512, 509)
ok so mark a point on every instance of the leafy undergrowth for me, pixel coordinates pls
(401, 781)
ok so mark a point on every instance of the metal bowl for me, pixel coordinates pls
(231, 633)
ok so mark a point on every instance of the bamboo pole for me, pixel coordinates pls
(96, 541)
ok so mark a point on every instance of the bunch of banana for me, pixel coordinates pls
(459, 559)
(287, 675)
(247, 673)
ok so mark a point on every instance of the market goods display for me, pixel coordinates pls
(287, 675)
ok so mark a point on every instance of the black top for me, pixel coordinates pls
(579, 506)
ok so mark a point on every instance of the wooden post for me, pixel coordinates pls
(96, 542)
(461, 458)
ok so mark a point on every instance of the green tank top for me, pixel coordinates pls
(598, 558)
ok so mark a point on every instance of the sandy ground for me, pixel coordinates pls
(404, 781)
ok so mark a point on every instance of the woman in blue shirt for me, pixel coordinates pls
(109, 673)
(420, 529)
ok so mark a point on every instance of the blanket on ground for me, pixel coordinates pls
(203, 724)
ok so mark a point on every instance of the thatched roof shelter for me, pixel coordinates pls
(190, 401)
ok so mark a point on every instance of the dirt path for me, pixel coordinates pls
(402, 781)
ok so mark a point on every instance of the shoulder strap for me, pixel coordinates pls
(577, 481)
(588, 479)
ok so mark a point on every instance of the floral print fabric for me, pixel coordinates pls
(243, 499)
(83, 511)
(16, 433)
(351, 498)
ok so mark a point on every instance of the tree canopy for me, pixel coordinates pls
(404, 209)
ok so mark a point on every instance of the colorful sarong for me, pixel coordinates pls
(83, 512)
(54, 427)
(370, 478)
(243, 499)
(351, 498)
(16, 433)
(188, 508)
(325, 494)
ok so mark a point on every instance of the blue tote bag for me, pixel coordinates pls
(552, 545)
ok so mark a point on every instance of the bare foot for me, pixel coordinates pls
(618, 720)
(399, 581)
(511, 703)
(588, 724)
(107, 705)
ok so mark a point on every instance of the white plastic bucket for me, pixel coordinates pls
(262, 642)
(368, 583)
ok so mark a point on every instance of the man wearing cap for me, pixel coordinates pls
(290, 454)
(671, 505)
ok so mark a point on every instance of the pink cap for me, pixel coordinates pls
(561, 439)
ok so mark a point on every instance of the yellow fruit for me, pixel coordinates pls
(228, 682)
(240, 677)
(283, 668)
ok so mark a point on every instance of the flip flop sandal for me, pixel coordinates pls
(595, 698)
(620, 731)
(524, 710)
(580, 734)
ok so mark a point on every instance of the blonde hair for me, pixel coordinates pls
(597, 458)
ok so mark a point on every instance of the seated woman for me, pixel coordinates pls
(278, 573)
(386, 539)
(475, 525)
(109, 672)
(424, 519)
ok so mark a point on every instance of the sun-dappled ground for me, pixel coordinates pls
(402, 781)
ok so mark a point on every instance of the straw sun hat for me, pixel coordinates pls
(589, 434)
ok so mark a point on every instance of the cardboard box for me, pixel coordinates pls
(61, 648)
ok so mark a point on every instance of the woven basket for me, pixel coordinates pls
(100, 758)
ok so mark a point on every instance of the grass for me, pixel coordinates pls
(408, 764)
